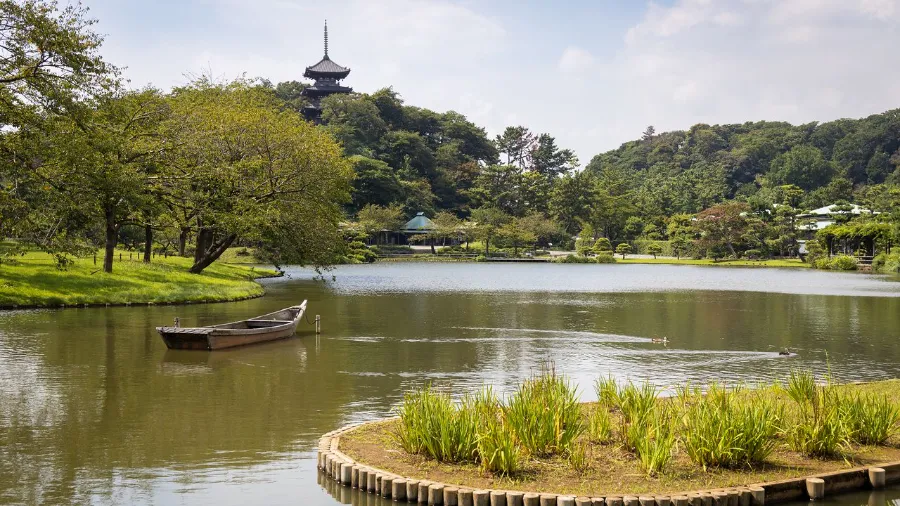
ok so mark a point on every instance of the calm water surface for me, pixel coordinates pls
(94, 409)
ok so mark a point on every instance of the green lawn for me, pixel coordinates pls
(792, 262)
(34, 280)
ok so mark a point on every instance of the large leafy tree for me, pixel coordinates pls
(722, 225)
(251, 170)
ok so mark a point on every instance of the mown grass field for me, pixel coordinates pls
(791, 262)
(33, 280)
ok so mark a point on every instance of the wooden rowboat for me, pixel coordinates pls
(269, 327)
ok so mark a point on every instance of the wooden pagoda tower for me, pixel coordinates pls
(327, 76)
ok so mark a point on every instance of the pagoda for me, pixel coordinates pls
(327, 75)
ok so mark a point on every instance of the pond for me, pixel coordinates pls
(94, 409)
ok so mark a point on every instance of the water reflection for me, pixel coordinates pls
(94, 409)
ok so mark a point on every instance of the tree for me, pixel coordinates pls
(722, 224)
(803, 166)
(291, 93)
(623, 249)
(584, 240)
(648, 134)
(375, 219)
(106, 161)
(516, 143)
(602, 246)
(654, 249)
(248, 169)
(488, 221)
(375, 183)
(515, 234)
(550, 161)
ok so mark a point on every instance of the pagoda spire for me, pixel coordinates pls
(326, 38)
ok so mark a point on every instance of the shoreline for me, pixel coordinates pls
(33, 282)
(773, 264)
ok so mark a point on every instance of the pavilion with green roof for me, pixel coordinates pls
(418, 225)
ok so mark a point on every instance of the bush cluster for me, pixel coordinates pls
(837, 263)
(542, 418)
(601, 258)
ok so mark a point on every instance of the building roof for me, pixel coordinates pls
(418, 224)
(826, 211)
(326, 68)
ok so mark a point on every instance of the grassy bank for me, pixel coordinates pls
(33, 280)
(790, 262)
(633, 442)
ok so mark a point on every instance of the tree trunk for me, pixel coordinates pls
(112, 237)
(182, 240)
(432, 247)
(487, 246)
(148, 242)
(204, 236)
(208, 257)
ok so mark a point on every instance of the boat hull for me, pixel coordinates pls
(271, 327)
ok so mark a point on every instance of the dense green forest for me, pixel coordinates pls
(763, 174)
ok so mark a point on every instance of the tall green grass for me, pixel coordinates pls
(498, 449)
(544, 414)
(652, 438)
(871, 420)
(819, 429)
(432, 424)
(722, 431)
(600, 425)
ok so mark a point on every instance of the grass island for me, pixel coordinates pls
(633, 442)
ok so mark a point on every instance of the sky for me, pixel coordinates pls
(592, 73)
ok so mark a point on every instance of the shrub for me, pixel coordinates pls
(623, 249)
(654, 249)
(889, 264)
(871, 420)
(814, 252)
(243, 252)
(572, 259)
(602, 245)
(605, 258)
(842, 263)
(721, 431)
(544, 414)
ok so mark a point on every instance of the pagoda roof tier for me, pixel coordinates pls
(321, 90)
(326, 68)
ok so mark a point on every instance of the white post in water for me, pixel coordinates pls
(318, 324)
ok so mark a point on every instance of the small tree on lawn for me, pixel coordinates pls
(680, 245)
(602, 245)
(623, 249)
(654, 249)
(584, 240)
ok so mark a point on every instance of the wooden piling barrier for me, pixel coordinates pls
(598, 501)
(757, 496)
(481, 497)
(548, 500)
(386, 482)
(646, 500)
(498, 498)
(412, 491)
(371, 481)
(531, 499)
(515, 498)
(435, 494)
(565, 500)
(451, 496)
(465, 497)
(815, 488)
(614, 500)
(876, 477)
(346, 474)
(354, 476)
(422, 496)
(663, 500)
(583, 501)
(398, 490)
(744, 497)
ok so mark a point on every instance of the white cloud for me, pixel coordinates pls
(575, 59)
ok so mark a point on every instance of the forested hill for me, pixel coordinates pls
(687, 171)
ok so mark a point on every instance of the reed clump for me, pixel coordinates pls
(719, 427)
(723, 430)
(545, 415)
